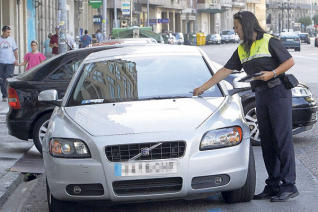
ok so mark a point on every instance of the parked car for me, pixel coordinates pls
(27, 117)
(228, 36)
(168, 38)
(213, 39)
(179, 38)
(140, 137)
(190, 39)
(304, 109)
(290, 41)
(304, 38)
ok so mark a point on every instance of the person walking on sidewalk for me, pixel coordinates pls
(86, 40)
(33, 58)
(8, 59)
(47, 49)
(259, 52)
(54, 42)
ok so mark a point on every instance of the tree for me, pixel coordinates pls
(315, 18)
(306, 21)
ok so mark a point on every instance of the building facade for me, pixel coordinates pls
(284, 15)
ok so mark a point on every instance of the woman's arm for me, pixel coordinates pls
(217, 77)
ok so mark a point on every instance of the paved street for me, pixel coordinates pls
(31, 196)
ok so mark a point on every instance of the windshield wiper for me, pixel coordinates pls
(167, 97)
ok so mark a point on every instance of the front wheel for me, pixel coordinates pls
(39, 130)
(246, 193)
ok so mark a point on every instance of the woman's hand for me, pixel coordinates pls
(266, 75)
(197, 91)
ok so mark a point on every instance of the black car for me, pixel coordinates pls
(304, 38)
(304, 107)
(27, 117)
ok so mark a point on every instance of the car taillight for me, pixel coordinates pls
(13, 99)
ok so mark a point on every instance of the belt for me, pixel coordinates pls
(269, 84)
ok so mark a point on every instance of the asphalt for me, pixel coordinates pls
(11, 150)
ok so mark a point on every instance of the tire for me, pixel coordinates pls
(39, 130)
(246, 193)
(297, 49)
(251, 119)
(55, 205)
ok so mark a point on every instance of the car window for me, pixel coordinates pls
(140, 78)
(66, 71)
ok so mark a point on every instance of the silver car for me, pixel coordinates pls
(129, 129)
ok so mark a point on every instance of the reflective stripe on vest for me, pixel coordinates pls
(258, 49)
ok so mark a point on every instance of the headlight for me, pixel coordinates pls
(220, 138)
(68, 148)
(301, 92)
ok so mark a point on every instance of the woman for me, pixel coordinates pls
(261, 53)
(33, 58)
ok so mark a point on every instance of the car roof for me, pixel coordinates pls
(162, 49)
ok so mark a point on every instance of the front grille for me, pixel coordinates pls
(148, 186)
(171, 149)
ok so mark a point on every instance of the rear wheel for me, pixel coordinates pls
(39, 130)
(246, 193)
(251, 119)
(297, 49)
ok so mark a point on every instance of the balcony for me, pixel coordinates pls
(239, 4)
(213, 6)
(226, 3)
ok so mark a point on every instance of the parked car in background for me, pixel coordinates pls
(136, 32)
(228, 36)
(179, 38)
(304, 38)
(125, 136)
(168, 38)
(213, 39)
(27, 117)
(290, 41)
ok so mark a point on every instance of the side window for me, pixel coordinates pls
(66, 71)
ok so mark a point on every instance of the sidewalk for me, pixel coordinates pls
(11, 150)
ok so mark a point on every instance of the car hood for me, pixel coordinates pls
(143, 116)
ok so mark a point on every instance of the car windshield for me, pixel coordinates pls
(141, 78)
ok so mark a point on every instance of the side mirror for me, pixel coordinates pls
(49, 96)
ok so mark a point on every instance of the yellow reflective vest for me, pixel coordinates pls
(258, 49)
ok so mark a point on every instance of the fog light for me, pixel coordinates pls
(218, 180)
(77, 190)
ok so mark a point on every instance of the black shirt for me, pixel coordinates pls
(279, 55)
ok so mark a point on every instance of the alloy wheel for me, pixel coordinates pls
(43, 130)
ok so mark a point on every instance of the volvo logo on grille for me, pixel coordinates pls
(145, 151)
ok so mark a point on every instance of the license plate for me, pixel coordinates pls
(145, 168)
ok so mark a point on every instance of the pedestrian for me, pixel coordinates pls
(54, 42)
(47, 48)
(8, 59)
(259, 52)
(99, 36)
(34, 57)
(86, 40)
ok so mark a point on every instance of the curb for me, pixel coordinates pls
(9, 182)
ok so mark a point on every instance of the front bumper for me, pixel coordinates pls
(63, 172)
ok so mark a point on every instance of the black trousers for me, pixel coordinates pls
(6, 71)
(274, 114)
